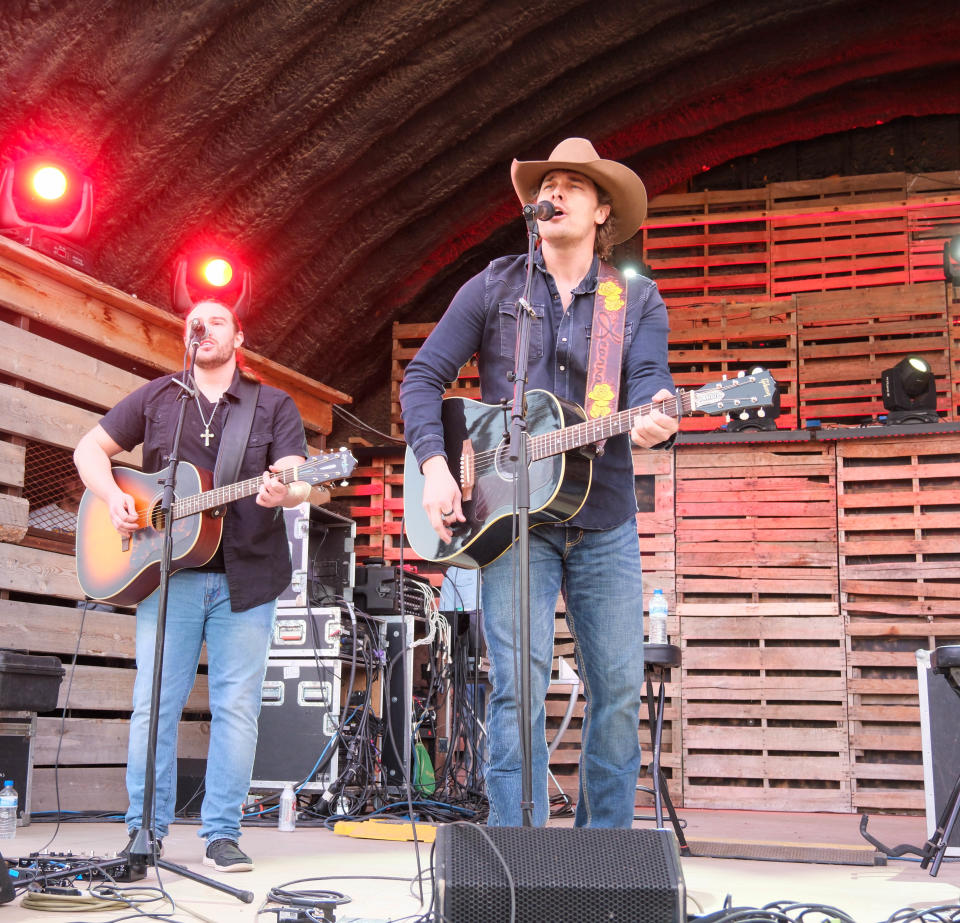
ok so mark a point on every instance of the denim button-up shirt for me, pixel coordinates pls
(482, 319)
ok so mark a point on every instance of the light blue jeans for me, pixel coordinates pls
(198, 609)
(599, 572)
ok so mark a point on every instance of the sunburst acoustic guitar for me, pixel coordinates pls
(124, 571)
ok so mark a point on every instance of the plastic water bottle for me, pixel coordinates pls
(658, 618)
(8, 811)
(287, 819)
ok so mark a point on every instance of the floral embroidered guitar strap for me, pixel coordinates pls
(606, 344)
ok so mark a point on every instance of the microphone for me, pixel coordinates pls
(542, 211)
(198, 329)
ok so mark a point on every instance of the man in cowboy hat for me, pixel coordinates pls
(594, 557)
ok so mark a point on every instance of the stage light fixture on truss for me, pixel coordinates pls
(755, 419)
(210, 275)
(47, 205)
(951, 260)
(910, 392)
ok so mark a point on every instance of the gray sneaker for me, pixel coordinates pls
(225, 856)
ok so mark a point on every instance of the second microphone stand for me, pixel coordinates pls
(519, 452)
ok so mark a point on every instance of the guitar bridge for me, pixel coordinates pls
(468, 470)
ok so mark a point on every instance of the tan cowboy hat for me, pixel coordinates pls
(624, 187)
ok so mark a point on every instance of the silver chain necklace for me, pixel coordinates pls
(206, 435)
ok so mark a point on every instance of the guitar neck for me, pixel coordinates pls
(219, 496)
(590, 431)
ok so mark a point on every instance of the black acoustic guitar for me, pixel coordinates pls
(558, 431)
(125, 571)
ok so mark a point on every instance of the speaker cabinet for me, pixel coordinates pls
(940, 739)
(564, 875)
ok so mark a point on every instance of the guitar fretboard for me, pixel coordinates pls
(210, 499)
(581, 434)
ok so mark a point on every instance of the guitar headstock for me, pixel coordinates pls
(756, 389)
(320, 468)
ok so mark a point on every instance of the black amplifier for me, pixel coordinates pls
(379, 589)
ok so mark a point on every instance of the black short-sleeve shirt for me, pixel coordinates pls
(256, 554)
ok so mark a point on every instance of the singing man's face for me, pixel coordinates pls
(221, 340)
(578, 210)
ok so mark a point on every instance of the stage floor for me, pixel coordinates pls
(366, 869)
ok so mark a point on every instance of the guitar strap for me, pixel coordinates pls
(606, 344)
(236, 432)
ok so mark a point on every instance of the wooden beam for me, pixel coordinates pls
(13, 517)
(111, 689)
(101, 741)
(56, 629)
(87, 788)
(44, 573)
(44, 419)
(12, 458)
(61, 369)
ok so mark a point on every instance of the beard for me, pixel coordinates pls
(219, 357)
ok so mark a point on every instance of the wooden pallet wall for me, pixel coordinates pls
(899, 544)
(847, 339)
(763, 686)
(710, 341)
(806, 236)
(953, 333)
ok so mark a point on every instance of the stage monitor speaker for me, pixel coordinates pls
(940, 740)
(564, 875)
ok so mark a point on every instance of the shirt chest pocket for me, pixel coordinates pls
(257, 456)
(508, 330)
(156, 428)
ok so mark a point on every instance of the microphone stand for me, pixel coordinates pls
(143, 847)
(519, 457)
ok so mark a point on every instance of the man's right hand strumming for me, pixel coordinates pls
(441, 496)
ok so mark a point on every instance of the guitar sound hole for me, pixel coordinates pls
(505, 467)
(157, 520)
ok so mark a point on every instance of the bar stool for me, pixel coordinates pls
(657, 662)
(946, 661)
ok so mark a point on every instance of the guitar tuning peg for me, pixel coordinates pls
(741, 373)
(744, 415)
(344, 483)
(724, 377)
(761, 412)
(756, 371)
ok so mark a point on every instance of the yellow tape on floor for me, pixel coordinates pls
(385, 829)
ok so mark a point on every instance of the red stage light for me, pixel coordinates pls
(218, 272)
(48, 194)
(47, 205)
(206, 275)
(49, 183)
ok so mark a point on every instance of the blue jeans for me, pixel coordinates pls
(599, 572)
(198, 609)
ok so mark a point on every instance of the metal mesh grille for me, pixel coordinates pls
(53, 488)
(561, 875)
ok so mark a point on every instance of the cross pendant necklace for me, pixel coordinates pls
(206, 435)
